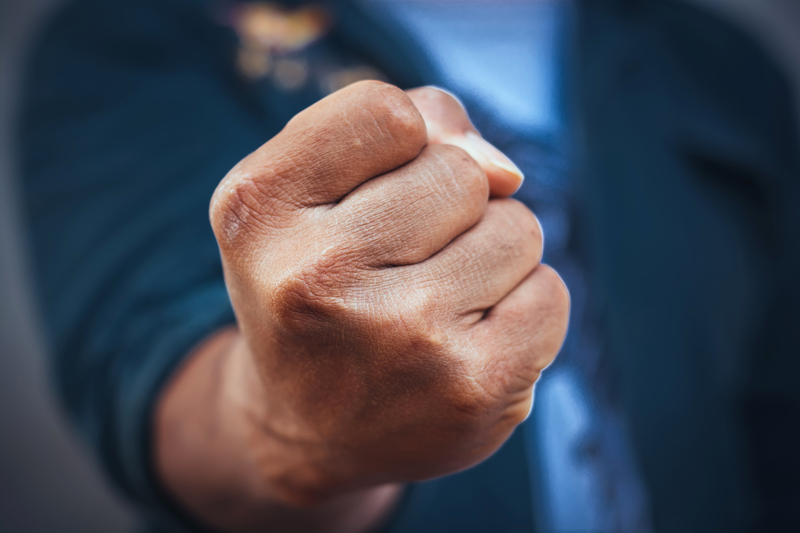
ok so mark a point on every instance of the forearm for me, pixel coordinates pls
(396, 335)
(213, 452)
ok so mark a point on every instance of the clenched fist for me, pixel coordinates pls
(392, 305)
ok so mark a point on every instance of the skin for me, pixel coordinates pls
(393, 316)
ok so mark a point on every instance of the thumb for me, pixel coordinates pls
(447, 123)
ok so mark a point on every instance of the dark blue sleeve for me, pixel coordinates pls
(132, 115)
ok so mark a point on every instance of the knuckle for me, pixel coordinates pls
(414, 316)
(456, 178)
(517, 223)
(460, 168)
(310, 297)
(420, 308)
(553, 308)
(472, 400)
(491, 390)
(241, 206)
(395, 114)
(520, 408)
(521, 217)
(413, 319)
(494, 389)
(556, 294)
(441, 110)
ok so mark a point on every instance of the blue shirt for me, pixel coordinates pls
(135, 110)
(509, 59)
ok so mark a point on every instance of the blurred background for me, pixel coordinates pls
(47, 479)
(48, 483)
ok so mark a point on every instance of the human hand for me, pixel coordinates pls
(394, 316)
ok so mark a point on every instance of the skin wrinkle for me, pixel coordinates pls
(471, 270)
(273, 205)
(368, 131)
(336, 151)
(446, 169)
(270, 169)
(552, 307)
(243, 211)
(360, 255)
(405, 122)
(372, 227)
(493, 375)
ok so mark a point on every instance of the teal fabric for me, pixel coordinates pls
(133, 112)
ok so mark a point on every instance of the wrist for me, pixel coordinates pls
(230, 455)
(288, 463)
(197, 441)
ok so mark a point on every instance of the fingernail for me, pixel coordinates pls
(491, 155)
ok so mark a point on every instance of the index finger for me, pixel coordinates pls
(327, 150)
